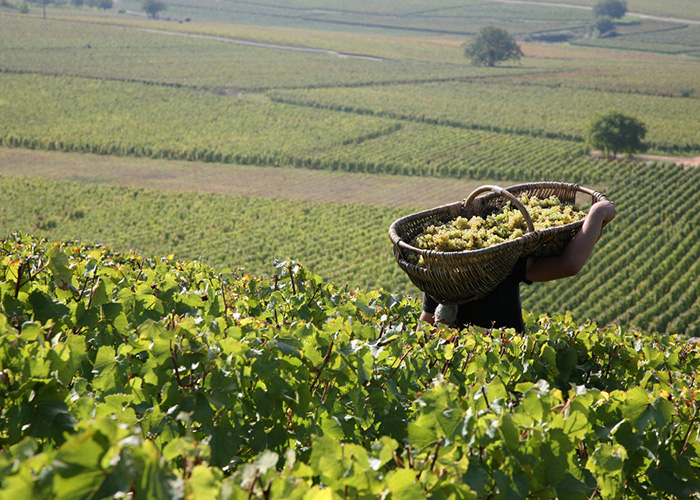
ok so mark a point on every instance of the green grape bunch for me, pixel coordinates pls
(506, 224)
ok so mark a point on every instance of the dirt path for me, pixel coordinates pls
(263, 45)
(678, 160)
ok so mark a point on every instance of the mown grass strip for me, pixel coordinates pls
(237, 180)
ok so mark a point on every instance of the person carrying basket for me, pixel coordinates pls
(501, 307)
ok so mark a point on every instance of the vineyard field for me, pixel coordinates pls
(459, 152)
(631, 279)
(87, 49)
(199, 298)
(677, 41)
(649, 77)
(346, 243)
(70, 114)
(670, 121)
(366, 17)
(105, 117)
(439, 49)
(77, 115)
(422, 112)
(349, 243)
(132, 49)
(524, 18)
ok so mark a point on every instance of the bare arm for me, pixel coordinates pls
(577, 251)
(427, 317)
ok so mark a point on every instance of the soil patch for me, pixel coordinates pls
(676, 160)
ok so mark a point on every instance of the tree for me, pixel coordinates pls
(614, 132)
(152, 7)
(602, 27)
(612, 8)
(492, 45)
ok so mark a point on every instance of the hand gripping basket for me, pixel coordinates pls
(459, 277)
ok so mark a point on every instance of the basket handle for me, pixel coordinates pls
(591, 193)
(506, 194)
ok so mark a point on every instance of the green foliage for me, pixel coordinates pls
(167, 379)
(610, 8)
(614, 132)
(491, 46)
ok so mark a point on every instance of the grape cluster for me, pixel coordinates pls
(504, 225)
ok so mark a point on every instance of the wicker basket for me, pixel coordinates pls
(459, 277)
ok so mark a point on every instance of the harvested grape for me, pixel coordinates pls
(504, 225)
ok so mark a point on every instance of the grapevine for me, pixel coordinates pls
(170, 379)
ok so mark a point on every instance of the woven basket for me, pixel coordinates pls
(459, 277)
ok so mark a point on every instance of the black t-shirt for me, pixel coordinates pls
(499, 309)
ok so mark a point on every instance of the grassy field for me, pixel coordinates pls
(147, 94)
(238, 180)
